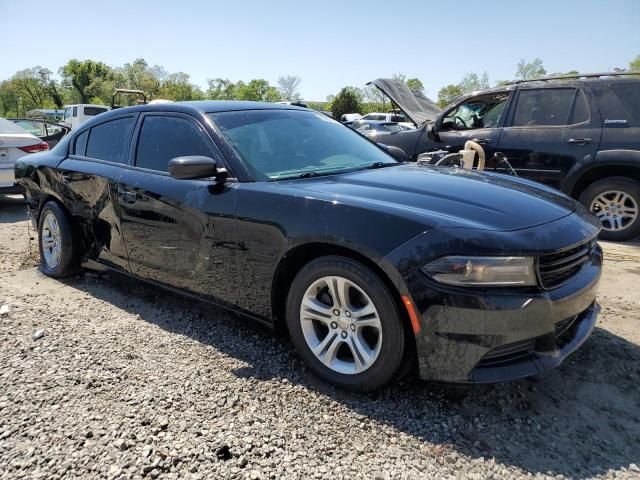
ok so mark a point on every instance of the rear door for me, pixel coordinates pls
(549, 130)
(179, 233)
(89, 180)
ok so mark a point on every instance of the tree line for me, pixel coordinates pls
(89, 81)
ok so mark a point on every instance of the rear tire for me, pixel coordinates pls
(362, 348)
(59, 247)
(616, 201)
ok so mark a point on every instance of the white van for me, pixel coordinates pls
(76, 115)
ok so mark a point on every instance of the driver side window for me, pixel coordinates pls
(478, 112)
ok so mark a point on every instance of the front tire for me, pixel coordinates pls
(59, 251)
(345, 324)
(616, 202)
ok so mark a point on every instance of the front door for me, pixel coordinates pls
(479, 119)
(549, 130)
(180, 233)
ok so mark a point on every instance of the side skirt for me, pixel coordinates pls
(90, 264)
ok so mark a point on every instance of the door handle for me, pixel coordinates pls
(579, 141)
(481, 141)
(74, 176)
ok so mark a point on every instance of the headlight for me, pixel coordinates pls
(483, 271)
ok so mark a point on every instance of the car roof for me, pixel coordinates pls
(210, 106)
(195, 107)
(549, 83)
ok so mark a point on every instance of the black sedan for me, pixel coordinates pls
(285, 215)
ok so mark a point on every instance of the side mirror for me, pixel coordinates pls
(396, 152)
(194, 166)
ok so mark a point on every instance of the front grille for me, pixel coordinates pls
(556, 268)
(511, 352)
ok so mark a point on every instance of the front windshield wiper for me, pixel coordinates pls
(380, 165)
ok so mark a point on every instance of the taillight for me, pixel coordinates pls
(38, 147)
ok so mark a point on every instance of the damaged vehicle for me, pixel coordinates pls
(579, 134)
(374, 268)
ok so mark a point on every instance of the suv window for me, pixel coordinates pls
(81, 143)
(477, 112)
(580, 109)
(164, 138)
(543, 107)
(628, 94)
(108, 141)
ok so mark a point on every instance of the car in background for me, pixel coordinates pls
(391, 117)
(49, 132)
(15, 142)
(579, 134)
(349, 118)
(371, 266)
(372, 129)
(76, 115)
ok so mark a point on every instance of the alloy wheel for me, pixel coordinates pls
(51, 240)
(617, 210)
(341, 325)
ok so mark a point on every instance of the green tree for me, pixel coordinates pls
(527, 70)
(90, 80)
(177, 87)
(415, 85)
(9, 99)
(138, 75)
(346, 101)
(472, 82)
(634, 65)
(289, 87)
(220, 89)
(257, 90)
(447, 95)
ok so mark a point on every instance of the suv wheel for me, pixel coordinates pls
(345, 324)
(616, 202)
(58, 246)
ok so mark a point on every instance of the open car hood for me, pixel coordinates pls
(415, 105)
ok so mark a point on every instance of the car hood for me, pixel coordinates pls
(443, 197)
(414, 104)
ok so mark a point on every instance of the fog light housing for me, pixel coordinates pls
(483, 271)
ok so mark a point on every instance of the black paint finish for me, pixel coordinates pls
(226, 241)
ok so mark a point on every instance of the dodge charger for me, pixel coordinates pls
(371, 266)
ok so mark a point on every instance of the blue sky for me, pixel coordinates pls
(327, 43)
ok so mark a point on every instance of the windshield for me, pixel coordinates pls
(279, 144)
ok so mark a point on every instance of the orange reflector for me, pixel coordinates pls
(415, 323)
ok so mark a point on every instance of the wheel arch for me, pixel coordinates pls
(296, 258)
(607, 166)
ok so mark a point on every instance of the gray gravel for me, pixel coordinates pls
(102, 377)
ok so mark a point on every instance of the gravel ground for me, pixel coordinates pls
(103, 377)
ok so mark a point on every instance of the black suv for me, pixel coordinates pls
(578, 134)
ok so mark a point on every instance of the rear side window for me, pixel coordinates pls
(110, 140)
(580, 109)
(628, 96)
(164, 138)
(543, 107)
(92, 111)
(75, 111)
(81, 143)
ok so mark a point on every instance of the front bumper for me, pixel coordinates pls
(482, 336)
